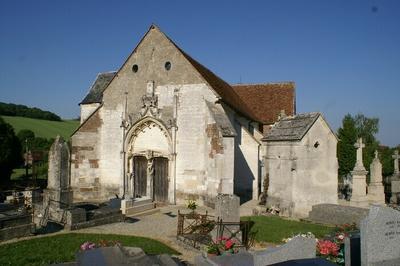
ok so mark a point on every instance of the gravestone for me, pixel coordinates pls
(58, 193)
(227, 209)
(395, 179)
(297, 248)
(376, 192)
(359, 187)
(380, 237)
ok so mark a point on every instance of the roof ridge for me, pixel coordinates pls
(264, 83)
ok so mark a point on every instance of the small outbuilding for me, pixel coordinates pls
(301, 167)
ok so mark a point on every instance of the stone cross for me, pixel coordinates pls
(396, 158)
(359, 163)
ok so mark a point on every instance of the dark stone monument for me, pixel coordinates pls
(352, 250)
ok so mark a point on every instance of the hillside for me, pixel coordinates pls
(43, 128)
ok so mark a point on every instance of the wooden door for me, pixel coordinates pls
(160, 184)
(140, 176)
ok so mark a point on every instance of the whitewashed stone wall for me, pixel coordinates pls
(247, 170)
(300, 174)
(192, 146)
(87, 110)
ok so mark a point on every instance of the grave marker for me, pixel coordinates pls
(380, 237)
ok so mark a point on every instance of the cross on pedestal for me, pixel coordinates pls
(396, 158)
(359, 145)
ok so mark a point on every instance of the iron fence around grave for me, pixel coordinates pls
(239, 232)
(196, 230)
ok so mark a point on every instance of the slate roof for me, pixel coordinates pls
(291, 128)
(95, 94)
(223, 122)
(267, 100)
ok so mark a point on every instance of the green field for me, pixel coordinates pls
(43, 128)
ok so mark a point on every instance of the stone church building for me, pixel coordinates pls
(165, 127)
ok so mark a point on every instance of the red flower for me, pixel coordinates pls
(228, 244)
(326, 247)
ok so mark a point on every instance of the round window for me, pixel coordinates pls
(135, 68)
(167, 65)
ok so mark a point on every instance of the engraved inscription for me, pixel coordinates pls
(392, 229)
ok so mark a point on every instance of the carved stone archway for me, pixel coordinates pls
(148, 139)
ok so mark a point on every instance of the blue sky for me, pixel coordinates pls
(343, 55)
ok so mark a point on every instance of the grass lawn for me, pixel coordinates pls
(62, 248)
(19, 173)
(43, 128)
(273, 229)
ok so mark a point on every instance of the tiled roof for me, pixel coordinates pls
(223, 89)
(95, 94)
(292, 127)
(267, 100)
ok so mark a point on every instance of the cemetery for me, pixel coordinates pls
(174, 166)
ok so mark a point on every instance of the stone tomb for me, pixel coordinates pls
(337, 214)
(15, 224)
(57, 201)
(118, 255)
(380, 237)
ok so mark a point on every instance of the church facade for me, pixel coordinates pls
(165, 127)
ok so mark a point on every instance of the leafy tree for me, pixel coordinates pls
(346, 151)
(26, 136)
(10, 151)
(385, 155)
(11, 109)
(352, 128)
(367, 128)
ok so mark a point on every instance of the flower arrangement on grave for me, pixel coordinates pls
(332, 248)
(192, 205)
(307, 235)
(102, 243)
(222, 245)
(328, 249)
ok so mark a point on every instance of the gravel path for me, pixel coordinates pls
(160, 226)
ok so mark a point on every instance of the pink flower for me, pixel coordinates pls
(88, 245)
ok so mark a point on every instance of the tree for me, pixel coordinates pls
(10, 151)
(385, 155)
(367, 128)
(346, 152)
(26, 136)
(352, 128)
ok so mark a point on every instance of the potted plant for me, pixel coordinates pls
(192, 205)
